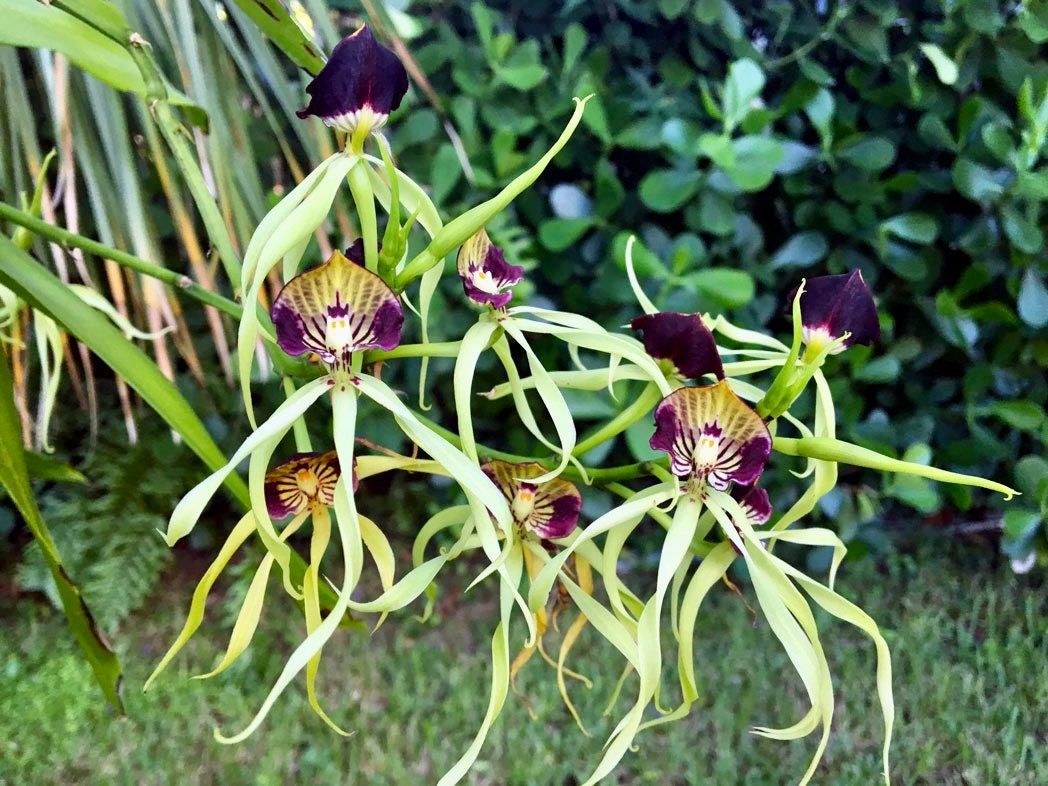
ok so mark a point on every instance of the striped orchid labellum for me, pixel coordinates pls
(334, 310)
(303, 482)
(486, 276)
(546, 510)
(712, 437)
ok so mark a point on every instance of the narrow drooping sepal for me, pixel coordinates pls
(302, 482)
(336, 309)
(834, 305)
(360, 85)
(712, 436)
(547, 510)
(682, 339)
(486, 276)
(755, 503)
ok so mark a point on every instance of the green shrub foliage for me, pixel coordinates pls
(752, 144)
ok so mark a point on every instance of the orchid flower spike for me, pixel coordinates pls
(358, 88)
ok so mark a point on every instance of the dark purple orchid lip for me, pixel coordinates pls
(548, 510)
(334, 310)
(362, 82)
(834, 305)
(303, 481)
(755, 503)
(684, 340)
(711, 436)
(486, 275)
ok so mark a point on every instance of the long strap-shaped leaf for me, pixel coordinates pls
(273, 19)
(36, 285)
(15, 479)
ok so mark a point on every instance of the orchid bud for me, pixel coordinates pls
(485, 273)
(683, 340)
(833, 306)
(358, 87)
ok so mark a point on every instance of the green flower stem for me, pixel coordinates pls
(364, 200)
(826, 449)
(436, 349)
(598, 477)
(178, 281)
(640, 407)
(415, 268)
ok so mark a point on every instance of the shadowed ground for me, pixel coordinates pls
(971, 687)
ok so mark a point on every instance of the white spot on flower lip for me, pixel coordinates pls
(485, 282)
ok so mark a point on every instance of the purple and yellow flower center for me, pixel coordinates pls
(359, 86)
(486, 276)
(833, 306)
(334, 310)
(683, 340)
(303, 482)
(711, 436)
(547, 510)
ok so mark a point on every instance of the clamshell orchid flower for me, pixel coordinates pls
(302, 488)
(358, 88)
(712, 437)
(683, 340)
(838, 309)
(486, 276)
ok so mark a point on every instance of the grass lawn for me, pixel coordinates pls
(971, 687)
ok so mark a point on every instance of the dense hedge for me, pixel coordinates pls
(751, 144)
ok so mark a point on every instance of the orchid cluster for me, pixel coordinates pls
(717, 396)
